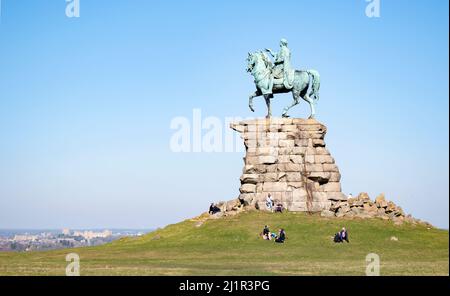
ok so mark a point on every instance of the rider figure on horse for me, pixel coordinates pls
(282, 71)
(279, 78)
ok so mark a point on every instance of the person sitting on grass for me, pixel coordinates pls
(341, 236)
(344, 235)
(266, 233)
(279, 208)
(213, 209)
(281, 237)
(337, 237)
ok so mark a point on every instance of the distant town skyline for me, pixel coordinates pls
(65, 238)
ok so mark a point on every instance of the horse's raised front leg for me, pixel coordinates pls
(294, 102)
(311, 106)
(250, 99)
(269, 110)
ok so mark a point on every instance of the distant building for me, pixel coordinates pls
(107, 233)
(91, 234)
(25, 237)
(65, 238)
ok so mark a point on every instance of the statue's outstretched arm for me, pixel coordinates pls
(271, 52)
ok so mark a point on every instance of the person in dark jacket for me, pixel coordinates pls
(341, 236)
(281, 236)
(344, 235)
(337, 238)
(279, 208)
(266, 233)
(213, 209)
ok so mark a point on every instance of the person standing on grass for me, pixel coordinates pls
(269, 202)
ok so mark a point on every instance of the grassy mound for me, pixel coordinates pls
(231, 246)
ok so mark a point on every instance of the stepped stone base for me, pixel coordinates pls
(288, 159)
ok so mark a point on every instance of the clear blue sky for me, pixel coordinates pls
(86, 103)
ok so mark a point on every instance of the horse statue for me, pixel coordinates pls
(260, 67)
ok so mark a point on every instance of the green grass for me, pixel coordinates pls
(230, 246)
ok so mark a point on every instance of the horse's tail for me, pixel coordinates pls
(315, 79)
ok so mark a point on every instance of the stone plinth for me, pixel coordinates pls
(288, 159)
